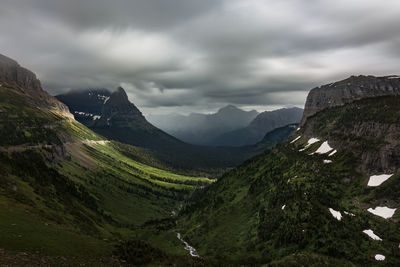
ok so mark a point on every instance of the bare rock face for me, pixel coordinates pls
(25, 82)
(348, 90)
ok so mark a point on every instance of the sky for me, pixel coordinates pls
(182, 56)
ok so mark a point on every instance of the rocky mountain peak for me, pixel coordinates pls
(25, 82)
(348, 90)
(119, 108)
(11, 72)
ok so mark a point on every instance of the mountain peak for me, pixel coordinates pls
(25, 81)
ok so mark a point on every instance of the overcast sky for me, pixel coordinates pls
(199, 55)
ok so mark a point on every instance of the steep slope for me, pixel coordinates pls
(86, 105)
(319, 199)
(201, 129)
(69, 195)
(262, 124)
(348, 90)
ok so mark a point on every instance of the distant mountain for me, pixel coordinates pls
(201, 129)
(262, 124)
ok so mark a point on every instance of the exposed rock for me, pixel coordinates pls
(118, 109)
(348, 90)
(25, 81)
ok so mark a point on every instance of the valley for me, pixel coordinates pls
(116, 190)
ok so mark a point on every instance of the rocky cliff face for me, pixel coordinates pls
(25, 81)
(369, 128)
(348, 90)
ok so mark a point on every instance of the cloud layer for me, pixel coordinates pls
(190, 55)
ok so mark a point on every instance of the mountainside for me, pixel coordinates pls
(348, 90)
(86, 105)
(262, 124)
(329, 197)
(120, 120)
(69, 196)
(201, 129)
(25, 82)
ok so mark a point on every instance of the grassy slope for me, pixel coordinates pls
(66, 192)
(240, 218)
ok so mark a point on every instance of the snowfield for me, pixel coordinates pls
(332, 153)
(309, 143)
(379, 257)
(377, 180)
(371, 234)
(294, 140)
(324, 148)
(327, 161)
(336, 214)
(383, 212)
(283, 207)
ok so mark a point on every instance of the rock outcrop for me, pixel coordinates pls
(25, 81)
(348, 90)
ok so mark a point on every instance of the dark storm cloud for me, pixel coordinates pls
(190, 55)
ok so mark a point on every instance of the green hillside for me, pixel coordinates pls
(275, 208)
(68, 192)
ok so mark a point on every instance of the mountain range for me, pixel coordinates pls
(112, 115)
(70, 196)
(202, 129)
(258, 127)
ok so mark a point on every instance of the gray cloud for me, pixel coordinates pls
(189, 55)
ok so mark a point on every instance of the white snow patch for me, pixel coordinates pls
(394, 77)
(371, 234)
(327, 161)
(294, 140)
(96, 117)
(332, 153)
(283, 207)
(310, 142)
(298, 129)
(349, 213)
(106, 99)
(380, 257)
(377, 180)
(191, 249)
(336, 214)
(383, 212)
(324, 148)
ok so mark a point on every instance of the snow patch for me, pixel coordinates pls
(336, 214)
(327, 161)
(283, 207)
(324, 148)
(96, 117)
(377, 180)
(394, 77)
(309, 143)
(380, 257)
(383, 212)
(191, 249)
(371, 234)
(298, 129)
(294, 140)
(332, 153)
(349, 213)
